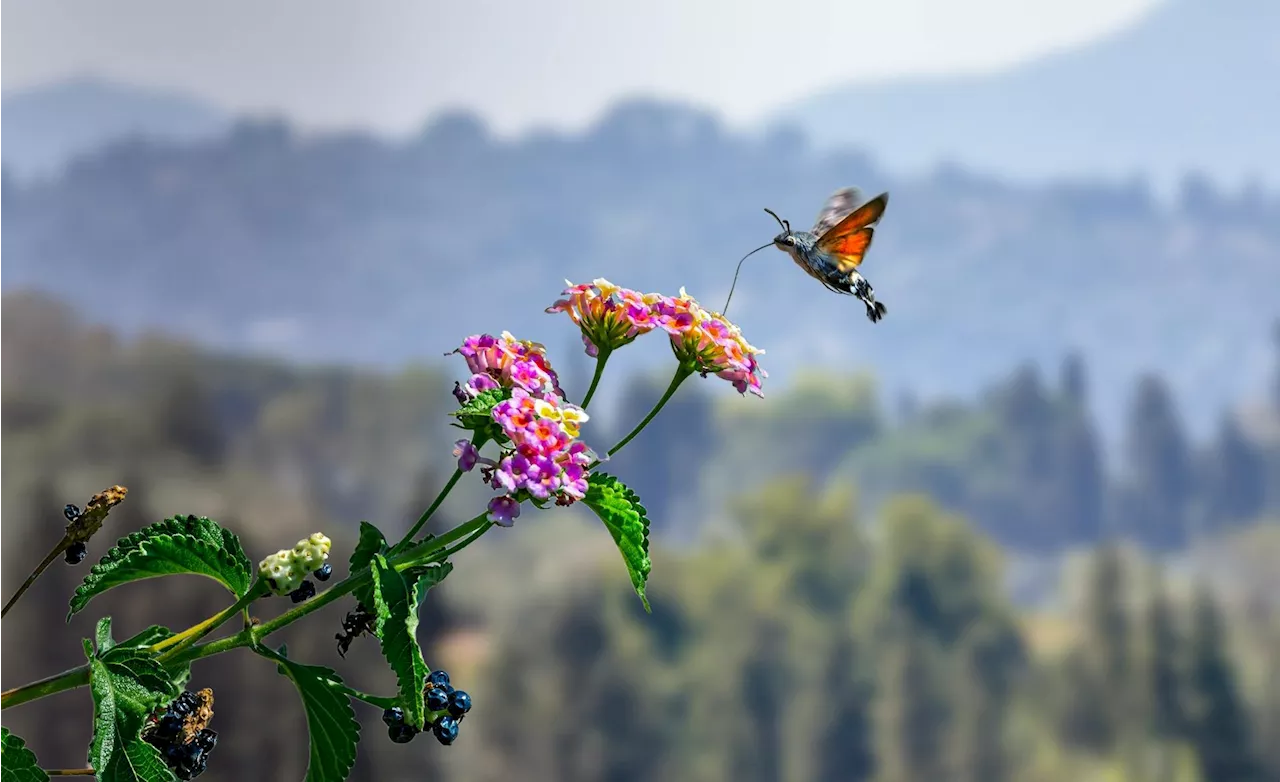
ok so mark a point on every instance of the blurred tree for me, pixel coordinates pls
(1100, 701)
(1275, 367)
(1165, 665)
(1073, 382)
(1219, 724)
(913, 713)
(1159, 482)
(948, 652)
(578, 699)
(188, 420)
(1234, 478)
(983, 682)
(1079, 483)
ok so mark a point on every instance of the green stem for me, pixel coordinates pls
(67, 680)
(428, 552)
(406, 557)
(602, 356)
(191, 635)
(478, 441)
(31, 579)
(441, 557)
(682, 373)
(435, 505)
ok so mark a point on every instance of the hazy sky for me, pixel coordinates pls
(389, 65)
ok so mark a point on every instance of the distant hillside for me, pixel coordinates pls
(1194, 85)
(46, 127)
(348, 248)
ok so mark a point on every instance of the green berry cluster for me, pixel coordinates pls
(287, 569)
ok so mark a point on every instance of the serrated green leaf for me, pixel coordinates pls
(424, 578)
(627, 521)
(102, 634)
(331, 722)
(127, 686)
(189, 544)
(396, 606)
(17, 763)
(149, 637)
(371, 543)
(476, 415)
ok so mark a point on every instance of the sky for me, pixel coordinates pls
(387, 67)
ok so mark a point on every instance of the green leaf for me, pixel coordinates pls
(476, 415)
(628, 522)
(17, 763)
(102, 635)
(397, 627)
(425, 577)
(127, 686)
(181, 544)
(331, 722)
(372, 542)
(149, 637)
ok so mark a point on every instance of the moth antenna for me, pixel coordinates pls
(786, 224)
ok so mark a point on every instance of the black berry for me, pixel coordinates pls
(460, 703)
(71, 512)
(438, 678)
(393, 716)
(75, 553)
(206, 740)
(437, 699)
(186, 703)
(168, 727)
(324, 572)
(192, 764)
(402, 734)
(445, 730)
(304, 592)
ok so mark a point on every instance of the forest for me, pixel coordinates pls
(840, 589)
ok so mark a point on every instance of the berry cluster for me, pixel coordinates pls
(447, 704)
(286, 570)
(76, 552)
(182, 735)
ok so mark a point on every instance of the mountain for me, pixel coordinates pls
(46, 127)
(354, 249)
(1195, 85)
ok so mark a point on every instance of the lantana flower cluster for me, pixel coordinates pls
(285, 570)
(541, 453)
(610, 317)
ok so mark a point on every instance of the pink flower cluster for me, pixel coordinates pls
(505, 362)
(610, 317)
(709, 342)
(543, 455)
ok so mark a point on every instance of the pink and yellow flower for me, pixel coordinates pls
(506, 362)
(709, 343)
(541, 453)
(608, 316)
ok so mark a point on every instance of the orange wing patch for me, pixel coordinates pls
(848, 240)
(848, 251)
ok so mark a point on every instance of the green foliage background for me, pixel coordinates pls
(835, 590)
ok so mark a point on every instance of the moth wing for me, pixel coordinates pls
(846, 243)
(841, 203)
